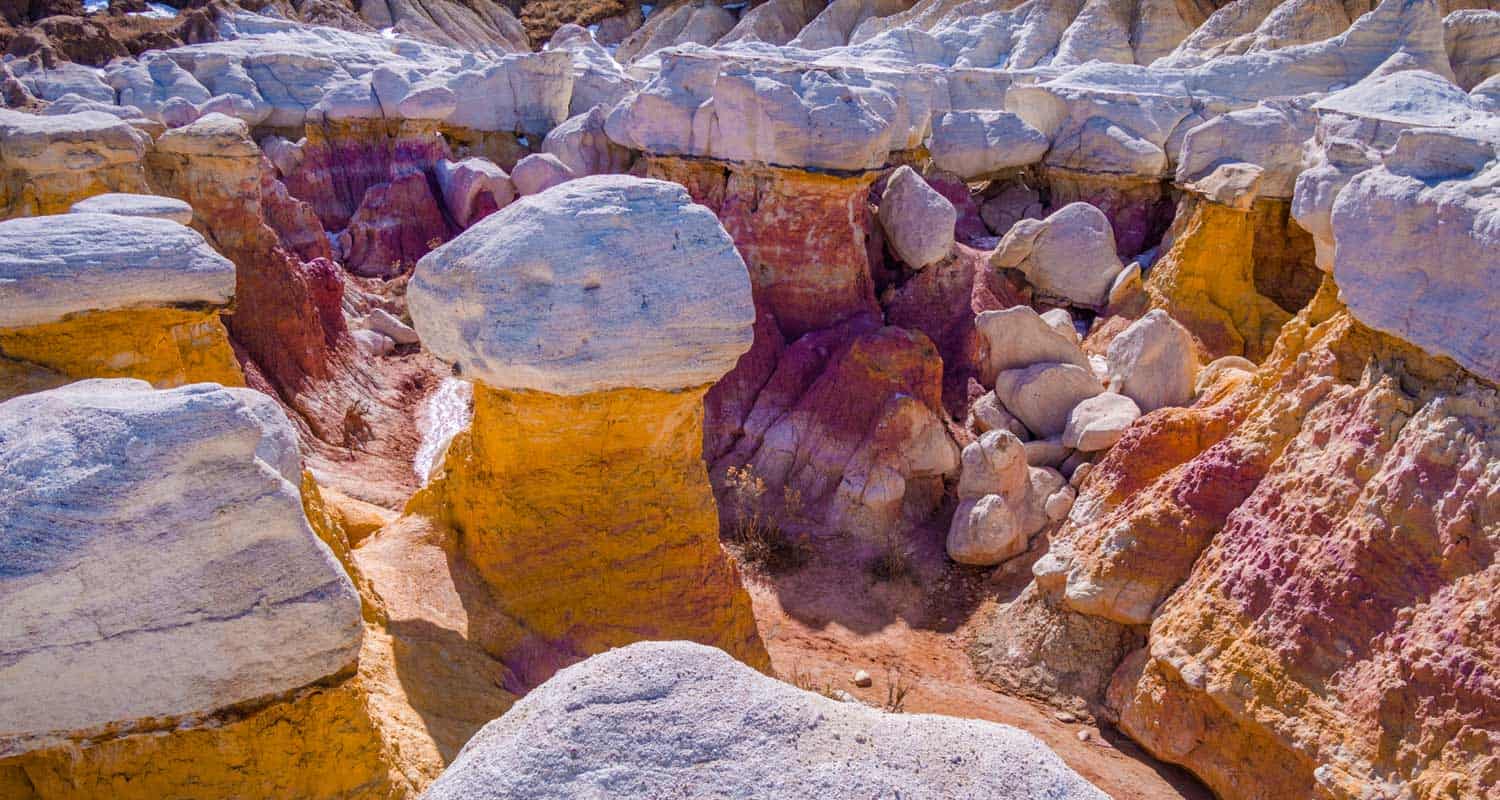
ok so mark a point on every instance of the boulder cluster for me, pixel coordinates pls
(415, 398)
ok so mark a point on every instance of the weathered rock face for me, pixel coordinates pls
(1207, 276)
(173, 614)
(49, 163)
(590, 368)
(702, 105)
(1234, 681)
(101, 295)
(288, 316)
(801, 745)
(802, 235)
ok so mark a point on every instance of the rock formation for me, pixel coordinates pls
(172, 615)
(89, 295)
(579, 491)
(1146, 349)
(797, 746)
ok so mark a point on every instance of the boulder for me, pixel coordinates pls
(159, 564)
(995, 463)
(1061, 320)
(473, 188)
(974, 144)
(1069, 256)
(1098, 422)
(539, 172)
(987, 414)
(136, 205)
(381, 321)
(1153, 362)
(682, 709)
(592, 319)
(1002, 501)
(582, 146)
(48, 163)
(918, 222)
(1042, 395)
(1018, 337)
(54, 266)
(620, 282)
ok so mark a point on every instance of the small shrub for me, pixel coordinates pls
(357, 428)
(897, 688)
(893, 563)
(758, 534)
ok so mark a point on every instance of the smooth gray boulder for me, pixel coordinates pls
(1069, 256)
(677, 719)
(61, 264)
(918, 222)
(1042, 395)
(604, 282)
(1098, 422)
(155, 560)
(539, 172)
(1153, 362)
(1019, 337)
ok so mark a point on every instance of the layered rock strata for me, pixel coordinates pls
(173, 617)
(100, 295)
(579, 491)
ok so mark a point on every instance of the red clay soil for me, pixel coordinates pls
(831, 617)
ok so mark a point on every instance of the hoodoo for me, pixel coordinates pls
(787, 398)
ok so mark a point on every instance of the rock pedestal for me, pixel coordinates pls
(170, 613)
(1206, 278)
(593, 317)
(106, 296)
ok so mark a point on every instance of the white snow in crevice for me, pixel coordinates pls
(446, 412)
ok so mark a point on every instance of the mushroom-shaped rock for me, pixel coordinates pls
(539, 172)
(136, 205)
(682, 708)
(972, 144)
(54, 266)
(1098, 422)
(918, 222)
(158, 564)
(1042, 395)
(1069, 256)
(51, 162)
(473, 188)
(1019, 337)
(592, 318)
(1153, 362)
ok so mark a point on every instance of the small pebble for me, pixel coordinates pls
(1084, 735)
(863, 679)
(1065, 716)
